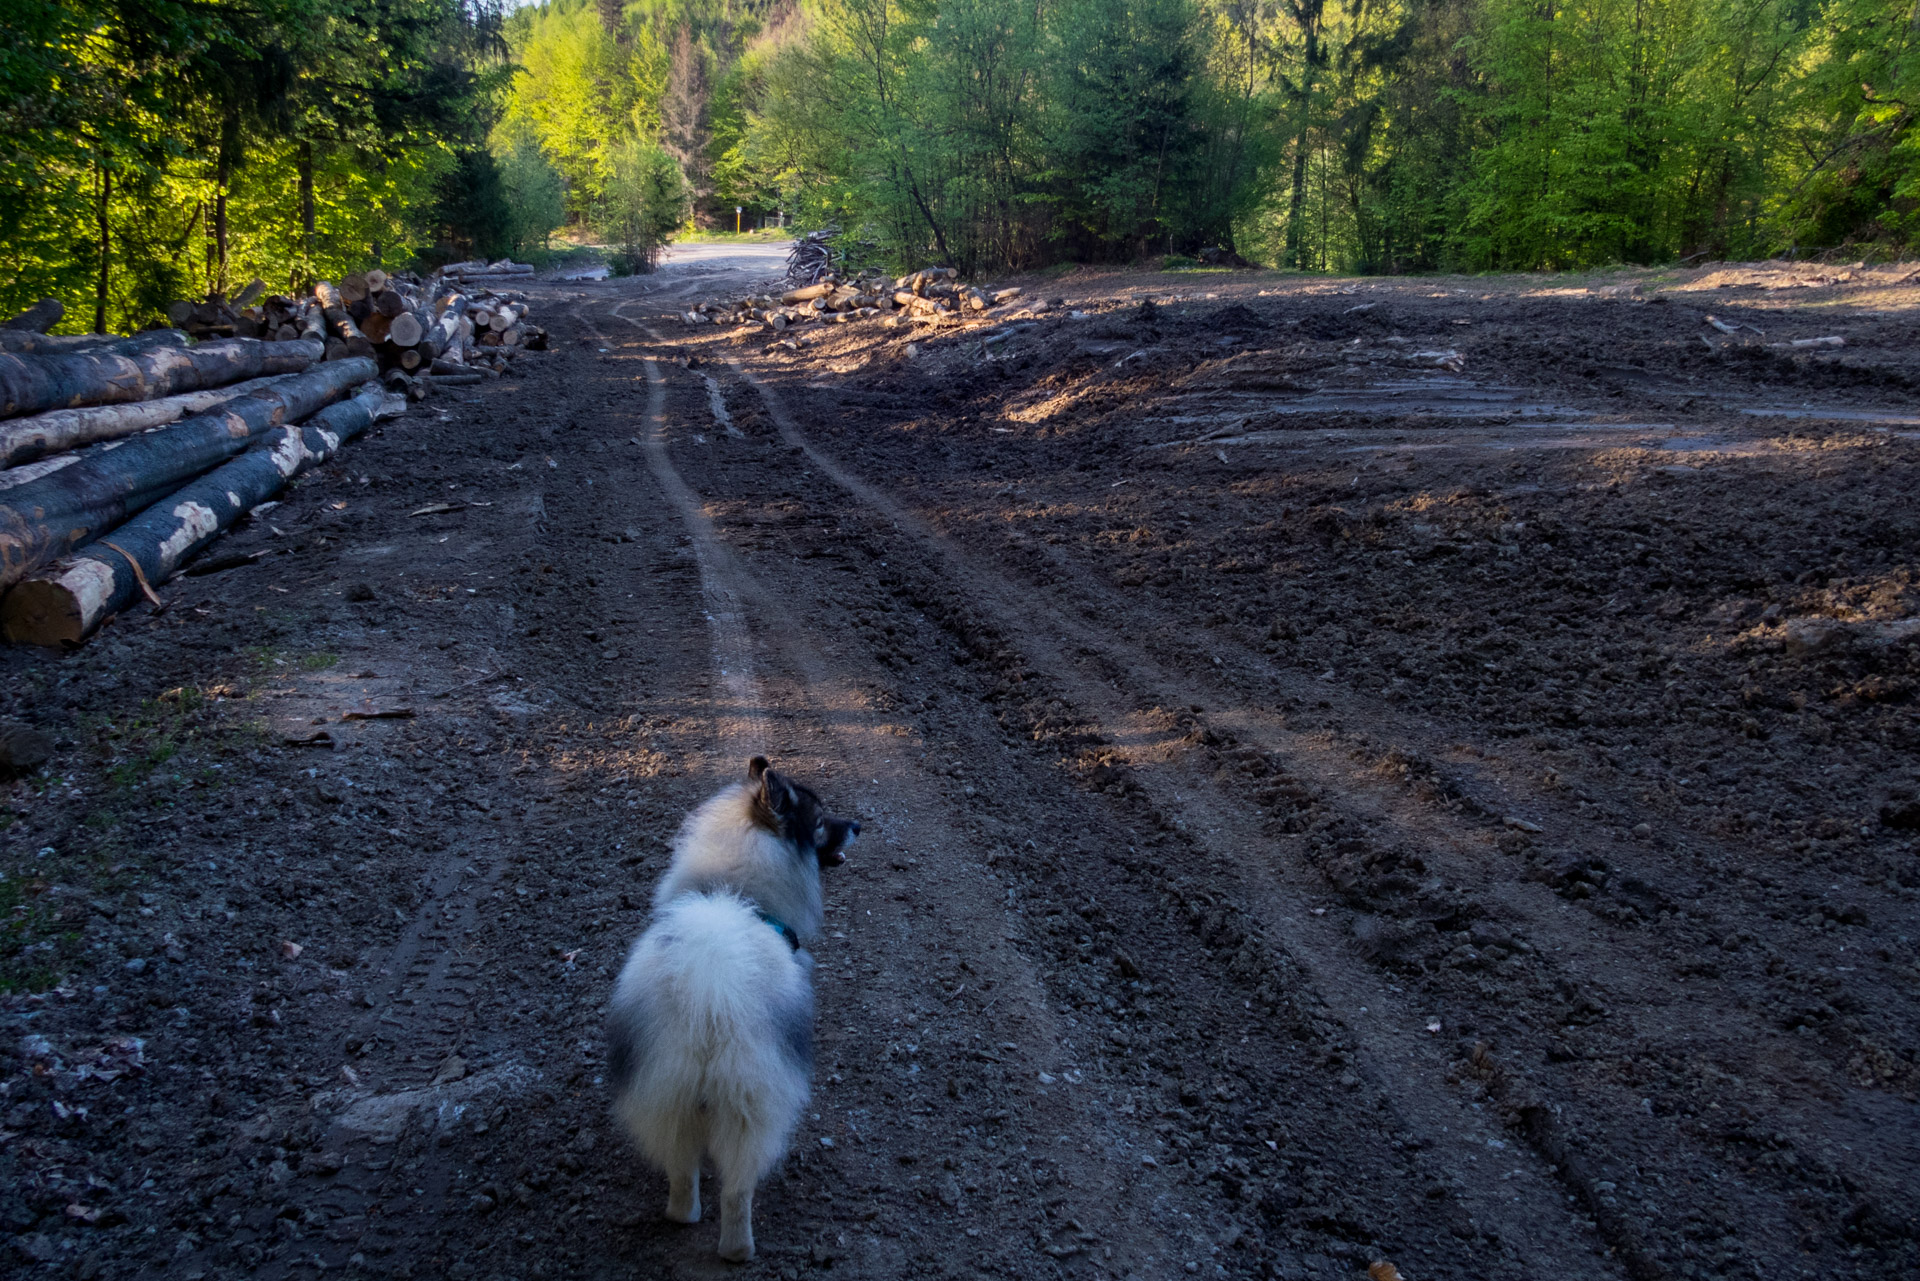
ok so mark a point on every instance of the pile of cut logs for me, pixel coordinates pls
(123, 457)
(926, 296)
(399, 320)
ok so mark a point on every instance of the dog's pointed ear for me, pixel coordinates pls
(775, 792)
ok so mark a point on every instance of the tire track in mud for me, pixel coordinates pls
(1457, 820)
(1572, 954)
(725, 612)
(1405, 1068)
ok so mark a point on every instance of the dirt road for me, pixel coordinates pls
(1353, 771)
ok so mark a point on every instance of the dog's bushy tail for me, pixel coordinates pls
(711, 1038)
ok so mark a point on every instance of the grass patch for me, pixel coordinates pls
(36, 946)
(319, 662)
(766, 236)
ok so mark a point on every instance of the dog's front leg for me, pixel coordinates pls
(736, 1224)
(683, 1195)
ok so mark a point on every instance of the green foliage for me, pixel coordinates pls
(582, 95)
(1338, 134)
(645, 199)
(165, 148)
(536, 196)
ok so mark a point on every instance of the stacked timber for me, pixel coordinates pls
(64, 507)
(66, 601)
(928, 296)
(122, 457)
(104, 443)
(393, 318)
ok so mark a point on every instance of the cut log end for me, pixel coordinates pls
(48, 612)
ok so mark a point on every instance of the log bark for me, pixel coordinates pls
(46, 517)
(68, 601)
(29, 384)
(24, 439)
(333, 305)
(20, 342)
(445, 332)
(388, 303)
(40, 317)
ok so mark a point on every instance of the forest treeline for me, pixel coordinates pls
(166, 148)
(1352, 135)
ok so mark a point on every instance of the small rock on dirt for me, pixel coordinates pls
(22, 748)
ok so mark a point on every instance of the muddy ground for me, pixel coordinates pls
(1354, 770)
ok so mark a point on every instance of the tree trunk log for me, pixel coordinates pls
(20, 342)
(406, 330)
(44, 518)
(40, 317)
(29, 384)
(334, 307)
(57, 431)
(445, 331)
(66, 602)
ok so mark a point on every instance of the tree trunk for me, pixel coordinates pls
(44, 518)
(25, 439)
(29, 384)
(68, 601)
(1297, 201)
(306, 210)
(229, 152)
(106, 250)
(38, 318)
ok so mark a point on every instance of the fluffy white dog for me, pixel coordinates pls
(712, 1025)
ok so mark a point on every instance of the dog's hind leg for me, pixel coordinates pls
(743, 1152)
(682, 1161)
(736, 1218)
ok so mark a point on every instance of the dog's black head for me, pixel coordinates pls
(795, 812)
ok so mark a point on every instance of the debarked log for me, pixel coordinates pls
(59, 430)
(48, 517)
(69, 599)
(29, 384)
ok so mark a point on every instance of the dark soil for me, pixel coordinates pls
(1353, 771)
